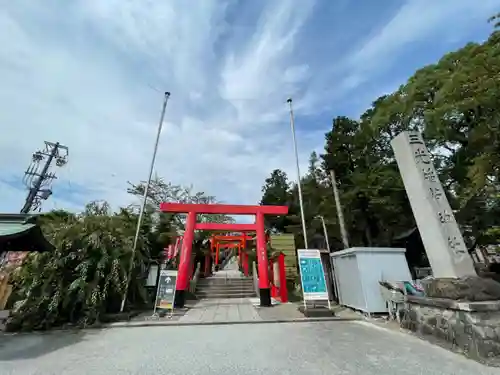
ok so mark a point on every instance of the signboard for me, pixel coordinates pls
(312, 275)
(152, 275)
(166, 290)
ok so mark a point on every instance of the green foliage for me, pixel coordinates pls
(455, 104)
(160, 191)
(84, 277)
(276, 191)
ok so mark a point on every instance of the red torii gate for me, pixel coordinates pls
(218, 242)
(193, 210)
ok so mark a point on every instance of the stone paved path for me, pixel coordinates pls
(221, 310)
(238, 310)
(333, 348)
(231, 271)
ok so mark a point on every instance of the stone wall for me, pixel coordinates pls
(472, 328)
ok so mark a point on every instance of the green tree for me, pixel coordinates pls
(455, 103)
(161, 191)
(276, 191)
(84, 276)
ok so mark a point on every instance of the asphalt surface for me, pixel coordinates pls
(290, 348)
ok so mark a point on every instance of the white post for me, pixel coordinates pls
(301, 202)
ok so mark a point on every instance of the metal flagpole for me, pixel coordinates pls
(144, 199)
(301, 202)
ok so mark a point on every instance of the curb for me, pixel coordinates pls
(238, 322)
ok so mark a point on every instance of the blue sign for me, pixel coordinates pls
(312, 275)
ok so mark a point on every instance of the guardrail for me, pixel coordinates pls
(194, 281)
(255, 279)
(226, 261)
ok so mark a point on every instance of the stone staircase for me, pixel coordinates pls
(225, 284)
(211, 288)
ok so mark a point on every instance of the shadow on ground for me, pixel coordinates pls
(33, 345)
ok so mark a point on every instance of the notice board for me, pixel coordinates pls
(166, 289)
(312, 275)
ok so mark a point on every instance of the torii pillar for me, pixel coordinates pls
(191, 225)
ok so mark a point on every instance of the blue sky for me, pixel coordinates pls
(90, 74)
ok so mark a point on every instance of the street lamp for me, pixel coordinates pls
(144, 199)
(301, 202)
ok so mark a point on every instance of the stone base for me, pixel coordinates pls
(472, 328)
(471, 288)
(316, 312)
(4, 314)
(265, 297)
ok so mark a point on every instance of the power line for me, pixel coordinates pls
(38, 179)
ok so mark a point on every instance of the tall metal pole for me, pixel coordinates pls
(339, 209)
(292, 126)
(144, 200)
(325, 233)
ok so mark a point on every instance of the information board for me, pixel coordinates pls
(312, 275)
(166, 289)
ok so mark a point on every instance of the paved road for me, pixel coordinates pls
(302, 348)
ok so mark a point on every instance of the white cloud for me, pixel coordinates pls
(86, 81)
(91, 75)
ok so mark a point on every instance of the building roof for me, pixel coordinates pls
(21, 232)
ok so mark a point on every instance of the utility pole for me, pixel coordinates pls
(340, 214)
(39, 182)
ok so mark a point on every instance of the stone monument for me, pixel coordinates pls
(441, 236)
(459, 308)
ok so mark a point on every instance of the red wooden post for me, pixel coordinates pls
(265, 292)
(217, 249)
(185, 261)
(283, 288)
(272, 279)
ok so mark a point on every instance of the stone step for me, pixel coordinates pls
(225, 282)
(224, 291)
(223, 279)
(250, 285)
(221, 291)
(225, 295)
